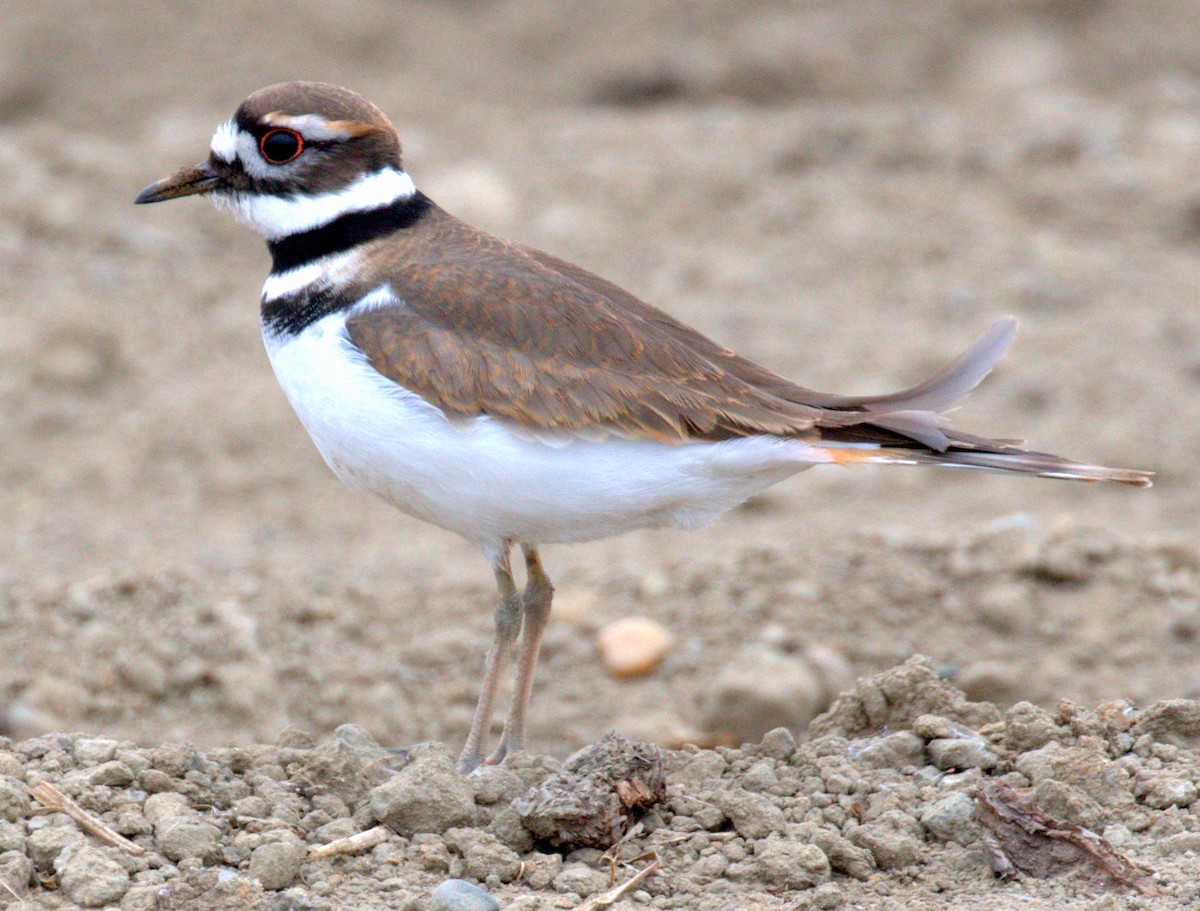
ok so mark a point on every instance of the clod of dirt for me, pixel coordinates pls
(597, 795)
(427, 795)
(895, 699)
(90, 876)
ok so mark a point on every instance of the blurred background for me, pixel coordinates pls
(847, 192)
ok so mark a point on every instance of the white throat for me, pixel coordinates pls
(276, 217)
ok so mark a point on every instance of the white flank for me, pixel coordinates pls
(488, 482)
(275, 217)
(225, 141)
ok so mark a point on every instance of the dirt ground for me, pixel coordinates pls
(847, 192)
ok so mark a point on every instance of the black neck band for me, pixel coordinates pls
(348, 231)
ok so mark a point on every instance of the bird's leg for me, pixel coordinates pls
(508, 626)
(536, 611)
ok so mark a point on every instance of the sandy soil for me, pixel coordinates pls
(847, 192)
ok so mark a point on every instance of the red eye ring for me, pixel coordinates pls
(281, 146)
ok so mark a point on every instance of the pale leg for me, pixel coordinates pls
(536, 612)
(508, 626)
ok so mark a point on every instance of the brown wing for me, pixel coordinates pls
(484, 327)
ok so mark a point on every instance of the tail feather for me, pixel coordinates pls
(1010, 460)
(907, 427)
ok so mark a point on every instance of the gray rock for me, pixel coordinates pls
(890, 847)
(460, 895)
(160, 807)
(113, 774)
(1164, 791)
(14, 801)
(16, 872)
(779, 743)
(484, 855)
(12, 837)
(790, 864)
(427, 795)
(93, 750)
(961, 753)
(44, 845)
(89, 876)
(752, 815)
(182, 837)
(893, 751)
(540, 869)
(277, 863)
(580, 879)
(760, 689)
(952, 819)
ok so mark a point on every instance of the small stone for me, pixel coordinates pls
(758, 690)
(779, 743)
(891, 848)
(484, 855)
(828, 896)
(790, 864)
(277, 864)
(14, 801)
(952, 819)
(94, 750)
(112, 774)
(180, 838)
(12, 837)
(580, 879)
(89, 876)
(44, 845)
(961, 753)
(16, 871)
(1028, 727)
(1163, 792)
(899, 750)
(753, 815)
(540, 869)
(633, 646)
(427, 795)
(460, 895)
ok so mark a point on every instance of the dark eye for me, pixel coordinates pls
(281, 146)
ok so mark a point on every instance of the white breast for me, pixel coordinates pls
(489, 482)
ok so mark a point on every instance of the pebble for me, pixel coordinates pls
(112, 774)
(277, 863)
(961, 753)
(94, 750)
(952, 819)
(427, 795)
(778, 743)
(759, 690)
(898, 750)
(89, 876)
(580, 879)
(460, 895)
(1163, 792)
(484, 855)
(44, 845)
(790, 864)
(14, 802)
(12, 837)
(890, 848)
(16, 872)
(633, 646)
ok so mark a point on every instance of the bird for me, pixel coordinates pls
(512, 397)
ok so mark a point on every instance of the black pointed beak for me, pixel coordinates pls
(188, 182)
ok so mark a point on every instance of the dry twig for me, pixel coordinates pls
(52, 797)
(352, 844)
(604, 899)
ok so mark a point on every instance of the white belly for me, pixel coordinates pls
(481, 479)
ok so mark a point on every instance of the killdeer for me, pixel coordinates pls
(514, 398)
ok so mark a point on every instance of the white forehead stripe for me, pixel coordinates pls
(275, 217)
(225, 141)
(311, 126)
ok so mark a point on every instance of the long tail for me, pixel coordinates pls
(907, 428)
